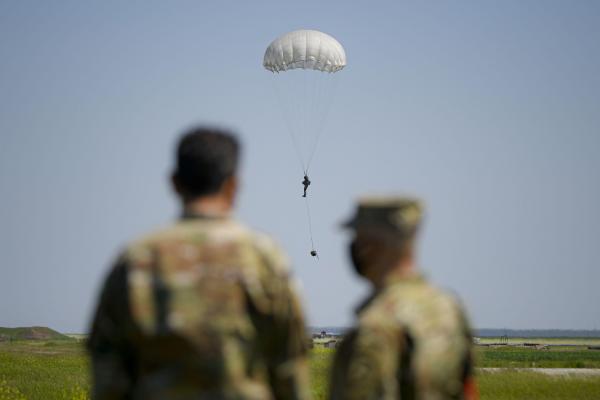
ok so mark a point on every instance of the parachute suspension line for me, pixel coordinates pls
(290, 125)
(306, 110)
(314, 101)
(308, 99)
(326, 97)
(309, 219)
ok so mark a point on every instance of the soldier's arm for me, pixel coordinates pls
(112, 356)
(366, 364)
(281, 329)
(288, 364)
(470, 389)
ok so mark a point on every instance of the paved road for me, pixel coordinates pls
(549, 371)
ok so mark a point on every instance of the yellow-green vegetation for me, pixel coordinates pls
(523, 357)
(320, 364)
(501, 385)
(322, 341)
(46, 370)
(525, 385)
(59, 370)
(576, 341)
(76, 336)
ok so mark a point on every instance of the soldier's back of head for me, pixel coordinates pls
(203, 308)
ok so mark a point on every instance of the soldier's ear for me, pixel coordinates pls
(176, 184)
(229, 190)
(230, 186)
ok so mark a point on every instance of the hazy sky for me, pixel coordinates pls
(490, 111)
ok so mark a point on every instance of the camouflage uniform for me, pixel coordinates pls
(411, 340)
(204, 309)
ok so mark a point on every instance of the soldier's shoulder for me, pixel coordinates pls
(418, 297)
(153, 238)
(422, 290)
(228, 232)
(184, 231)
(264, 243)
(444, 297)
(270, 251)
(142, 247)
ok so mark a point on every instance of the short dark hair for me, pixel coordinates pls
(206, 158)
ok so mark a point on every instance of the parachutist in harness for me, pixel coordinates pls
(306, 183)
(322, 57)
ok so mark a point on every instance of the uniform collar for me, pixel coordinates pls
(194, 215)
(414, 277)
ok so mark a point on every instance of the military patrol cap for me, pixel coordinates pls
(400, 215)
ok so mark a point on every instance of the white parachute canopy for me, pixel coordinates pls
(306, 49)
(304, 63)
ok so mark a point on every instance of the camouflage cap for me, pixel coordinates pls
(401, 215)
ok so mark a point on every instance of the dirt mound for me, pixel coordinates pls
(31, 333)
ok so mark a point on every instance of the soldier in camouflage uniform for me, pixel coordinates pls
(411, 340)
(204, 309)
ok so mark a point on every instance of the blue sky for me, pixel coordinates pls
(488, 111)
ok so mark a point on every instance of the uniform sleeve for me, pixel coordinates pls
(470, 389)
(366, 363)
(282, 331)
(112, 356)
(288, 368)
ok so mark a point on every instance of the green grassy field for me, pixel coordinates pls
(59, 370)
(578, 341)
(520, 357)
(526, 385)
(43, 370)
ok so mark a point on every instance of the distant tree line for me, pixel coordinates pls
(537, 332)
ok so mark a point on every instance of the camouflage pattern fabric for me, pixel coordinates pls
(412, 341)
(202, 310)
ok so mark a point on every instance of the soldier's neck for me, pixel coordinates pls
(402, 269)
(215, 205)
